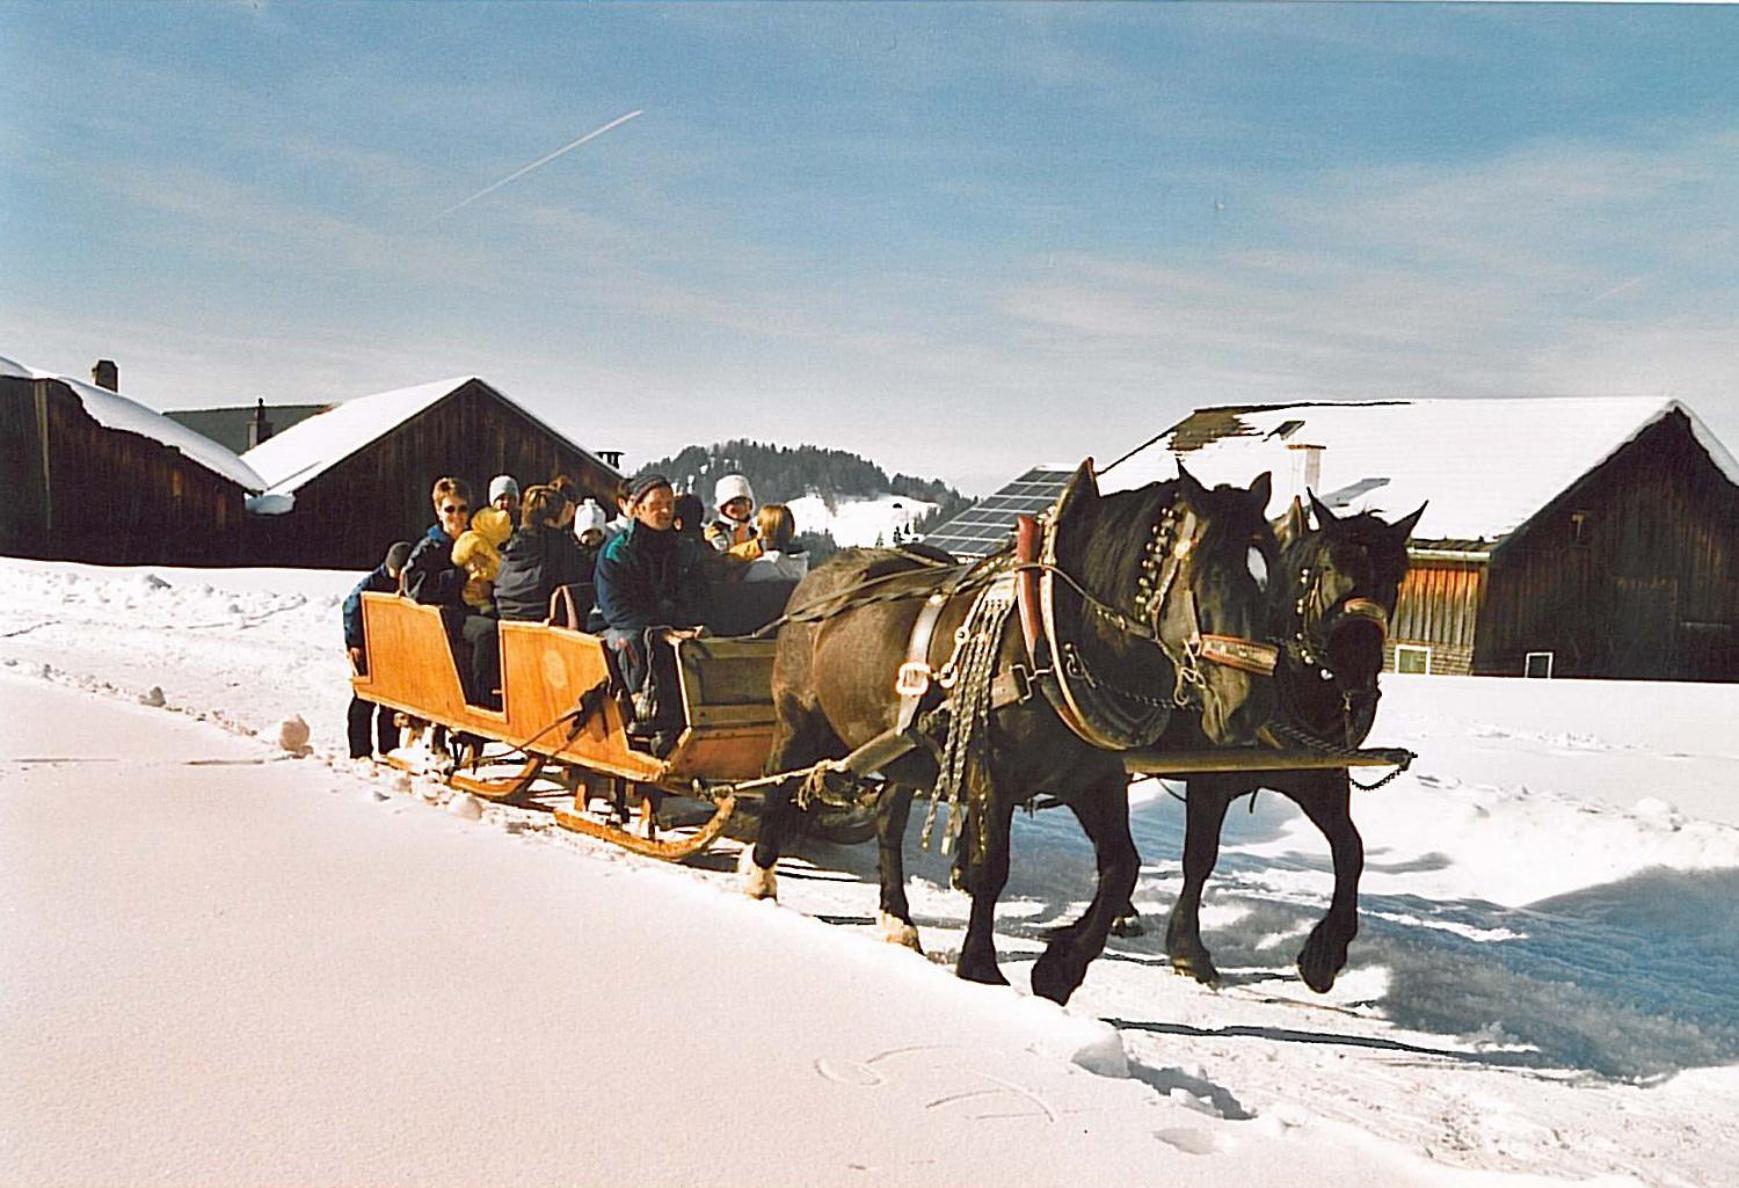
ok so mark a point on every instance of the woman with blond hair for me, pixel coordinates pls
(770, 552)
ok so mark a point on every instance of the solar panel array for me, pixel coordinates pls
(988, 524)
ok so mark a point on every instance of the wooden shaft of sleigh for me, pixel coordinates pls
(1255, 759)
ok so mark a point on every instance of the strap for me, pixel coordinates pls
(915, 675)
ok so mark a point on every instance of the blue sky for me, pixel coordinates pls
(959, 239)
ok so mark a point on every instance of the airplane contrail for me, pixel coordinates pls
(544, 160)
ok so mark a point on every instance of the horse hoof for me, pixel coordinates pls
(984, 975)
(758, 882)
(896, 931)
(1199, 968)
(1321, 959)
(1050, 980)
(1129, 925)
(1319, 977)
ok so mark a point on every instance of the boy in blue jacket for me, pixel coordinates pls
(384, 579)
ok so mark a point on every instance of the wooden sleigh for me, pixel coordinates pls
(559, 713)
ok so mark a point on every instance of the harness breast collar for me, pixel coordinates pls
(1100, 714)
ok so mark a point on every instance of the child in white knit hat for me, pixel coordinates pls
(734, 500)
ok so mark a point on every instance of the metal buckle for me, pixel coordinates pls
(1026, 681)
(913, 679)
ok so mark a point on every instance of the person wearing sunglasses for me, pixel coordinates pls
(432, 578)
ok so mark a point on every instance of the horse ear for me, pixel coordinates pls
(1262, 490)
(1294, 524)
(1323, 515)
(1187, 482)
(1081, 490)
(1403, 529)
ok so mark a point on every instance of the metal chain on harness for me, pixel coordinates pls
(1308, 740)
(967, 675)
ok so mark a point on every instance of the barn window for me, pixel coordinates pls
(1537, 664)
(1579, 527)
(1409, 658)
(175, 483)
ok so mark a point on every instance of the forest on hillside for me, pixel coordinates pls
(781, 474)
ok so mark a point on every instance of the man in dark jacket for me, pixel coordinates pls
(384, 579)
(432, 579)
(648, 577)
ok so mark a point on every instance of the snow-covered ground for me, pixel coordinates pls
(860, 521)
(223, 964)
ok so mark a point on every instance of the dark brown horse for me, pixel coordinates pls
(1140, 577)
(1333, 597)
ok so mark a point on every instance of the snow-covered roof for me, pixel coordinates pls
(309, 448)
(1486, 465)
(111, 410)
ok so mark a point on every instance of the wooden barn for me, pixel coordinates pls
(1564, 537)
(343, 485)
(92, 476)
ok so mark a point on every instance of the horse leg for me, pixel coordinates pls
(1206, 801)
(893, 810)
(1103, 810)
(984, 880)
(1326, 800)
(795, 744)
(1126, 921)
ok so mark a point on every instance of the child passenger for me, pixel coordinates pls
(383, 579)
(735, 501)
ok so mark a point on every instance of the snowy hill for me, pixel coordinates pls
(841, 494)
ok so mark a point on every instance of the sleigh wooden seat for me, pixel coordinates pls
(547, 670)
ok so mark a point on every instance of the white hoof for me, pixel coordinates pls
(897, 932)
(758, 883)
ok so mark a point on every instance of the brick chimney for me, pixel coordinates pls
(104, 374)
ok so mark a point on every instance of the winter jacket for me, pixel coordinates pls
(647, 578)
(477, 551)
(377, 582)
(431, 577)
(774, 566)
(533, 564)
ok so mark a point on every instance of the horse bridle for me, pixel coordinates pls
(1315, 625)
(1309, 642)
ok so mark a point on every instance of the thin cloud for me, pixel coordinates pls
(537, 164)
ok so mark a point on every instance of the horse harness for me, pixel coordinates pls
(1100, 712)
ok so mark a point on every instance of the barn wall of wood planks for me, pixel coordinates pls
(346, 517)
(78, 491)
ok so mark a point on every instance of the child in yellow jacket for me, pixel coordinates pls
(478, 553)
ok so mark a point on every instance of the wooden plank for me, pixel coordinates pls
(1151, 762)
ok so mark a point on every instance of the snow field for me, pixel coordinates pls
(1545, 981)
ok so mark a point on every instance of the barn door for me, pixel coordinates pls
(1643, 639)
